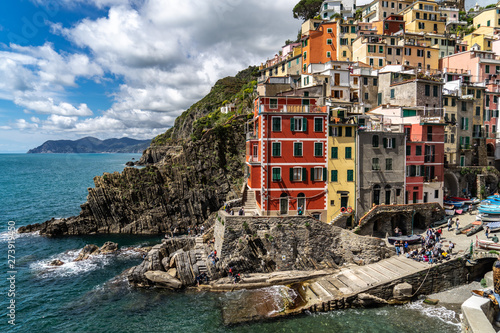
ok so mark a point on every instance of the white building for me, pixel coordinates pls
(346, 8)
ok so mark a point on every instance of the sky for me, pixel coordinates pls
(115, 68)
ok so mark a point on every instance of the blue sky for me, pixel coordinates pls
(114, 68)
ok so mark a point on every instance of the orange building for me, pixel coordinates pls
(319, 45)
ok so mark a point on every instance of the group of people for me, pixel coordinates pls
(233, 275)
(194, 231)
(229, 211)
(213, 256)
(450, 223)
(201, 277)
(431, 249)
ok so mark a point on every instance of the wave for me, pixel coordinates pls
(44, 269)
(439, 312)
(5, 236)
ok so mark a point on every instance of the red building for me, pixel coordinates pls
(393, 24)
(424, 161)
(286, 156)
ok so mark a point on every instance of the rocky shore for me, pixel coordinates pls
(265, 251)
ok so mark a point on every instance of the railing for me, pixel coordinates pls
(251, 136)
(253, 159)
(465, 147)
(297, 109)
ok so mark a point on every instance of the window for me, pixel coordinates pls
(350, 175)
(398, 52)
(329, 30)
(478, 93)
(371, 61)
(365, 81)
(436, 194)
(389, 142)
(276, 124)
(392, 93)
(464, 106)
(348, 132)
(276, 149)
(427, 90)
(334, 175)
(418, 150)
(487, 69)
(318, 124)
(305, 55)
(375, 164)
(344, 54)
(329, 41)
(478, 110)
(273, 103)
(435, 91)
(329, 54)
(375, 82)
(297, 149)
(380, 49)
(318, 174)
(375, 141)
(297, 174)
(389, 50)
(334, 153)
(276, 174)
(445, 101)
(366, 96)
(348, 152)
(388, 164)
(408, 150)
(318, 149)
(298, 124)
(380, 62)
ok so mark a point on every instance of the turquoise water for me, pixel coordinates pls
(90, 296)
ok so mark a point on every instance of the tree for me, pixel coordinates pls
(307, 9)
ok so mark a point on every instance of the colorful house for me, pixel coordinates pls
(319, 45)
(287, 156)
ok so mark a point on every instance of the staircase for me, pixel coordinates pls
(250, 203)
(201, 255)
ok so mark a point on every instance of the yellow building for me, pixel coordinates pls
(489, 17)
(418, 54)
(346, 34)
(423, 16)
(482, 36)
(341, 167)
(371, 50)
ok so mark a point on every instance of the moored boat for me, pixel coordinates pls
(457, 204)
(411, 239)
(489, 217)
(487, 244)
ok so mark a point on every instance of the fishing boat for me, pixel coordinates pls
(457, 204)
(487, 244)
(449, 207)
(492, 209)
(475, 230)
(494, 227)
(457, 199)
(411, 239)
(489, 217)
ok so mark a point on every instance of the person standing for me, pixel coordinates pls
(487, 231)
(449, 224)
(457, 223)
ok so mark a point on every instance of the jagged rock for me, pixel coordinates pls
(129, 163)
(163, 279)
(166, 264)
(172, 272)
(56, 262)
(108, 247)
(87, 251)
(183, 183)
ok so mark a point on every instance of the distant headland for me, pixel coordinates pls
(91, 145)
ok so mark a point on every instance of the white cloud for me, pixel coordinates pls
(165, 54)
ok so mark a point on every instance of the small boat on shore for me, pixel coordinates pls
(411, 239)
(491, 209)
(494, 227)
(475, 230)
(487, 244)
(445, 206)
(456, 204)
(489, 217)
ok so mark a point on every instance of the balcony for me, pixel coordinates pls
(251, 136)
(254, 159)
(466, 147)
(295, 109)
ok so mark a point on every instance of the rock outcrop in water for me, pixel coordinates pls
(190, 172)
(92, 250)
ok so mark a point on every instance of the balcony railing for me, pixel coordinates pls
(465, 147)
(251, 136)
(296, 109)
(253, 159)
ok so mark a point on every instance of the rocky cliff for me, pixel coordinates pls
(190, 171)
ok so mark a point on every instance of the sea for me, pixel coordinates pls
(92, 296)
